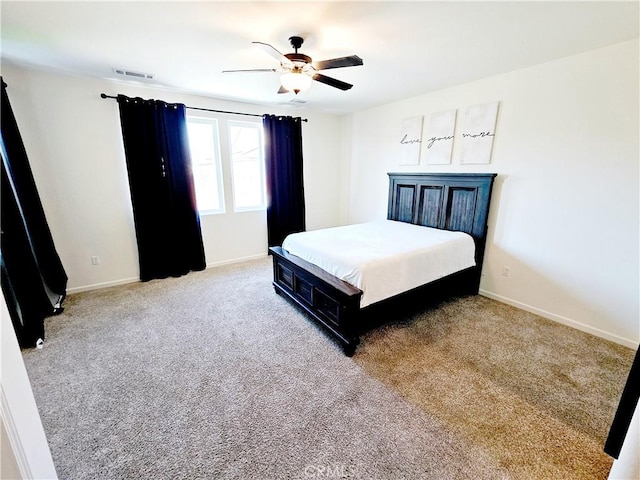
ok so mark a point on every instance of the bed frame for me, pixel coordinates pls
(449, 201)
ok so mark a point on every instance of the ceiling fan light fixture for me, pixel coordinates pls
(299, 70)
(296, 81)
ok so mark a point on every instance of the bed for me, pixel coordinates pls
(454, 207)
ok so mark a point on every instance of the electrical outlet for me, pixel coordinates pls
(95, 260)
(505, 271)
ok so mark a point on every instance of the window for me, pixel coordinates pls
(243, 160)
(247, 165)
(205, 161)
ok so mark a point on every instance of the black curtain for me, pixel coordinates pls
(34, 281)
(624, 413)
(283, 167)
(162, 191)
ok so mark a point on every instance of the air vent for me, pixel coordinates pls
(129, 73)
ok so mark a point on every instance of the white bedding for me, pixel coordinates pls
(386, 257)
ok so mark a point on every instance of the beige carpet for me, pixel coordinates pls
(213, 375)
(536, 396)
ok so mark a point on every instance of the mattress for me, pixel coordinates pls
(386, 257)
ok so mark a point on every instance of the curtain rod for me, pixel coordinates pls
(104, 95)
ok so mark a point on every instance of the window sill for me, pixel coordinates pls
(253, 209)
(205, 213)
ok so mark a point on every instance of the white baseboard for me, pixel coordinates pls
(96, 286)
(236, 260)
(563, 320)
(124, 281)
(543, 313)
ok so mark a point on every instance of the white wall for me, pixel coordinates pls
(564, 215)
(25, 451)
(74, 143)
(565, 212)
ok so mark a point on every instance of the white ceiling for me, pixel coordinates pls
(408, 48)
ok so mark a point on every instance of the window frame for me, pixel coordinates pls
(261, 164)
(217, 161)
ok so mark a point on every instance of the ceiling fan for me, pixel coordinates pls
(298, 69)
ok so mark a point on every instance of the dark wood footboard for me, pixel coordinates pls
(330, 301)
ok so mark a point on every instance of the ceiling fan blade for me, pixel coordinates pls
(250, 71)
(332, 82)
(274, 52)
(351, 61)
(282, 90)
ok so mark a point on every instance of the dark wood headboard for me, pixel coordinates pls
(448, 201)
